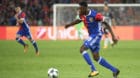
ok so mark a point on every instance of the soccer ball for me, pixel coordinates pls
(52, 73)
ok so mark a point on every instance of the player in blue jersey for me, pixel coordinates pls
(93, 20)
(24, 30)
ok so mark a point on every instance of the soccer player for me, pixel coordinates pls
(92, 20)
(108, 17)
(24, 30)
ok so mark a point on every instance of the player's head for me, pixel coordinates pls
(83, 8)
(106, 8)
(17, 9)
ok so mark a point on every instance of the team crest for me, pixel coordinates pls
(91, 19)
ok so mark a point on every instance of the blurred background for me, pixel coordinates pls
(40, 16)
(40, 12)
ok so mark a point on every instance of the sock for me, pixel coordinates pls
(88, 60)
(104, 63)
(106, 42)
(20, 41)
(35, 45)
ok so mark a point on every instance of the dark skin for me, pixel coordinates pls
(84, 11)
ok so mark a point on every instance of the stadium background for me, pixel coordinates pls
(40, 18)
(40, 12)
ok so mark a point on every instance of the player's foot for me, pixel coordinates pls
(115, 75)
(26, 48)
(37, 53)
(93, 73)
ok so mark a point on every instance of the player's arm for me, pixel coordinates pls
(113, 20)
(73, 23)
(111, 32)
(21, 19)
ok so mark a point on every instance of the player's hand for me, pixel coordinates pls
(115, 40)
(66, 26)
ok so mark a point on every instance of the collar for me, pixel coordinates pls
(89, 12)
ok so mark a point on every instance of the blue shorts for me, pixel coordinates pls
(24, 33)
(93, 43)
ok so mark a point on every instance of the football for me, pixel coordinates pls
(52, 73)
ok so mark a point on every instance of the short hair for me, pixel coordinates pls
(84, 4)
(106, 3)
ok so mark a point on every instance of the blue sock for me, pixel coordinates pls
(35, 45)
(20, 41)
(104, 63)
(88, 60)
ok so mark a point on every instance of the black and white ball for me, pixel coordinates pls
(53, 73)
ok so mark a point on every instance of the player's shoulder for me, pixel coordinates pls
(93, 12)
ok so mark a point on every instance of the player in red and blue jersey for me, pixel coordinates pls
(24, 30)
(93, 20)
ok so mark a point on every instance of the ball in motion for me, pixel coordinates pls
(53, 73)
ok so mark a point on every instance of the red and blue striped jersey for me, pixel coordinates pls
(93, 26)
(23, 26)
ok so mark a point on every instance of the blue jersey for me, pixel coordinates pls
(93, 27)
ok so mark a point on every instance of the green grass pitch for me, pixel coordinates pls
(65, 56)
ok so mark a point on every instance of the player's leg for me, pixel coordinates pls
(105, 64)
(89, 61)
(110, 40)
(87, 58)
(28, 35)
(19, 40)
(95, 47)
(106, 41)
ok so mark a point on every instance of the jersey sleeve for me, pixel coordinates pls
(99, 17)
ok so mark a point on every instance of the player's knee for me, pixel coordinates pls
(96, 58)
(32, 41)
(17, 38)
(82, 50)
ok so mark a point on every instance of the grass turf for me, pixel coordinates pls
(65, 56)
